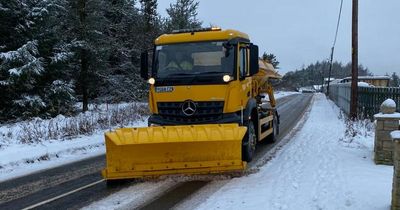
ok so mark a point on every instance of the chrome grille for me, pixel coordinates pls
(206, 111)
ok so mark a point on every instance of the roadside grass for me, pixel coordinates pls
(358, 133)
(38, 130)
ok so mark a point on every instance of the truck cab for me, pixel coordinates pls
(206, 111)
(201, 77)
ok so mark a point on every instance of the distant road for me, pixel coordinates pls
(78, 184)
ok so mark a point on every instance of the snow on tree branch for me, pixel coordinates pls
(22, 60)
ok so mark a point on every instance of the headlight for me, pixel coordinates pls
(152, 81)
(226, 78)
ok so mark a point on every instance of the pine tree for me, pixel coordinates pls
(20, 61)
(84, 45)
(150, 15)
(183, 15)
(55, 52)
(271, 58)
(315, 72)
(126, 33)
(60, 98)
(395, 80)
(151, 24)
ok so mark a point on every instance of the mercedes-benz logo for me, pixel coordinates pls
(188, 108)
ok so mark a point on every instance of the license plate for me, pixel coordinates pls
(164, 89)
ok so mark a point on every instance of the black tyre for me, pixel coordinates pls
(275, 126)
(115, 183)
(249, 143)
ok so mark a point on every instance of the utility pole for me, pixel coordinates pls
(330, 70)
(354, 63)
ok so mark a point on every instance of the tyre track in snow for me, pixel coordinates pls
(31, 189)
(293, 163)
(291, 110)
(35, 188)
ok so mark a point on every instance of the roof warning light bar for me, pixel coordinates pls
(192, 30)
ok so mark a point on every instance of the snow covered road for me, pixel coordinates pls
(18, 159)
(319, 168)
(313, 171)
(291, 110)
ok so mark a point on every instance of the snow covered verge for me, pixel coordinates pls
(328, 164)
(281, 94)
(33, 145)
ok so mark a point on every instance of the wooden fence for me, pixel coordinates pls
(369, 98)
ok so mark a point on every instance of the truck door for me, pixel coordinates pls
(243, 70)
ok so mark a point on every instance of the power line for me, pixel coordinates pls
(333, 46)
(338, 23)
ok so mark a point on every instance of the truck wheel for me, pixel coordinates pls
(115, 183)
(249, 143)
(275, 130)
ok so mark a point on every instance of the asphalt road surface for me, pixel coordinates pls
(290, 109)
(78, 184)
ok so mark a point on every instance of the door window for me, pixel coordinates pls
(243, 62)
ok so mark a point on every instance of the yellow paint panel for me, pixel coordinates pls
(154, 151)
(200, 36)
(193, 92)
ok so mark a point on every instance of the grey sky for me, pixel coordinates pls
(300, 32)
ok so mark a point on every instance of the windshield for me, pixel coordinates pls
(189, 59)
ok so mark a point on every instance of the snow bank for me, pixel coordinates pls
(22, 159)
(389, 103)
(395, 134)
(393, 115)
(320, 168)
(38, 130)
(280, 94)
(364, 84)
(37, 144)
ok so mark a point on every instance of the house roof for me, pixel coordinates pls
(371, 77)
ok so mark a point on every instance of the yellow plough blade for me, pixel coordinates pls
(156, 151)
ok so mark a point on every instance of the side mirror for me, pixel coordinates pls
(144, 65)
(254, 68)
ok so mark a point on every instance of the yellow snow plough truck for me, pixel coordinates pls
(207, 112)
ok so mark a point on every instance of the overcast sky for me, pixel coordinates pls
(300, 32)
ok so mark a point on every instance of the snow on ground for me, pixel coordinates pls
(133, 197)
(395, 134)
(22, 159)
(320, 168)
(107, 106)
(37, 144)
(281, 94)
(99, 117)
(364, 84)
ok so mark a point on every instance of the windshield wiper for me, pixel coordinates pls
(181, 74)
(196, 73)
(212, 72)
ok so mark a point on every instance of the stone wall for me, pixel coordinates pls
(386, 122)
(383, 145)
(396, 175)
